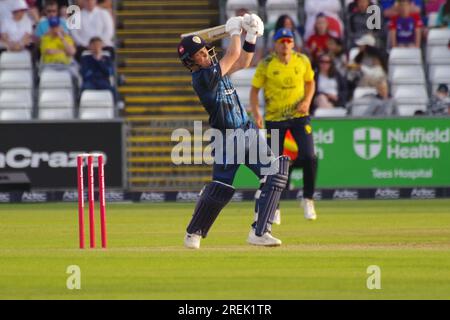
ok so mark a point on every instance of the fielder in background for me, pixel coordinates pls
(211, 82)
(288, 82)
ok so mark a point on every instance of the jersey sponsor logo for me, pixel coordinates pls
(229, 91)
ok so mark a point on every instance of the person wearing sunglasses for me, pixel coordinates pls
(287, 79)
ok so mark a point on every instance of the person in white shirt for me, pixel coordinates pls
(95, 22)
(17, 31)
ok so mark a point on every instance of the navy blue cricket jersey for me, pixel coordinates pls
(219, 98)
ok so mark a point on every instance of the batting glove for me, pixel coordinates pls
(234, 26)
(254, 27)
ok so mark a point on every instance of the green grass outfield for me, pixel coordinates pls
(325, 259)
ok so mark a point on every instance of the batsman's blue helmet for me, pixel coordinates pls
(189, 46)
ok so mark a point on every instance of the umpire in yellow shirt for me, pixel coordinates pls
(288, 82)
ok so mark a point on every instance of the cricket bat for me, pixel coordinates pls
(210, 34)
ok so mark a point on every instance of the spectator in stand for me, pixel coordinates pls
(337, 52)
(317, 43)
(331, 86)
(440, 102)
(16, 31)
(33, 11)
(357, 21)
(331, 8)
(286, 22)
(382, 104)
(50, 10)
(443, 18)
(433, 6)
(108, 6)
(405, 29)
(58, 49)
(391, 8)
(369, 66)
(97, 68)
(259, 51)
(95, 22)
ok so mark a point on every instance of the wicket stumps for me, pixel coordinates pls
(91, 197)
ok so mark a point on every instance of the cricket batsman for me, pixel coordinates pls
(211, 82)
(288, 82)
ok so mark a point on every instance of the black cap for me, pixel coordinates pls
(189, 46)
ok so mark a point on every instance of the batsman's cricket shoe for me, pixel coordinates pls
(308, 207)
(266, 240)
(192, 241)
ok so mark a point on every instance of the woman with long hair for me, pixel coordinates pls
(286, 22)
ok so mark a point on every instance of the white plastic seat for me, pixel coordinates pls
(439, 74)
(405, 56)
(408, 110)
(54, 98)
(15, 60)
(97, 99)
(55, 113)
(411, 95)
(438, 55)
(243, 77)
(16, 79)
(97, 113)
(52, 79)
(360, 92)
(411, 74)
(16, 99)
(15, 114)
(334, 112)
(233, 5)
(276, 8)
(438, 37)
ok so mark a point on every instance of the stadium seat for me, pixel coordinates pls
(439, 74)
(360, 92)
(438, 37)
(14, 99)
(16, 60)
(405, 56)
(55, 113)
(16, 79)
(96, 113)
(409, 109)
(276, 8)
(438, 55)
(52, 79)
(334, 112)
(243, 77)
(411, 95)
(233, 5)
(97, 99)
(15, 114)
(56, 98)
(411, 74)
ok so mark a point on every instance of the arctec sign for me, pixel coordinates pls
(47, 152)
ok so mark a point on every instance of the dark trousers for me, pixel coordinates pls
(302, 132)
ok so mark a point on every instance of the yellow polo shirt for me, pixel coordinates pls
(49, 42)
(284, 85)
